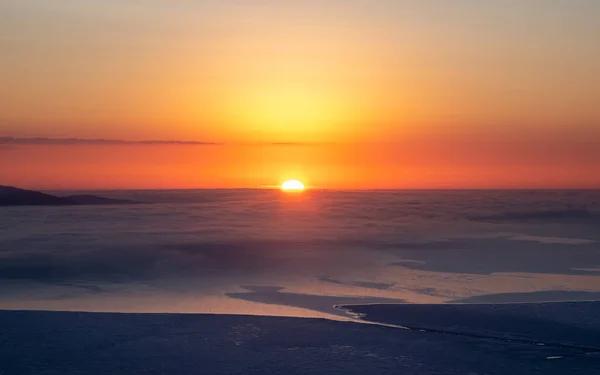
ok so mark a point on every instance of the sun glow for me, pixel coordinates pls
(292, 185)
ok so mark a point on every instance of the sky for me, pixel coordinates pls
(351, 94)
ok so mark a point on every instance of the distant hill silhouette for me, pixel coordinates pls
(12, 196)
(94, 199)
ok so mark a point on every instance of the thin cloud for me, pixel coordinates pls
(99, 141)
(7, 142)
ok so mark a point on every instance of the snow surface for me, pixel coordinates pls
(45, 343)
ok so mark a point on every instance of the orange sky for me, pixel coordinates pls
(416, 164)
(387, 94)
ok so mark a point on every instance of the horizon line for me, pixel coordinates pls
(316, 188)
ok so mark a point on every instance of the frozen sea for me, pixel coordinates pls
(266, 252)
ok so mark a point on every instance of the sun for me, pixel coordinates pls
(292, 185)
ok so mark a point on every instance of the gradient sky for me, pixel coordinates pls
(378, 94)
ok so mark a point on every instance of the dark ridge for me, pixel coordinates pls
(96, 200)
(12, 196)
